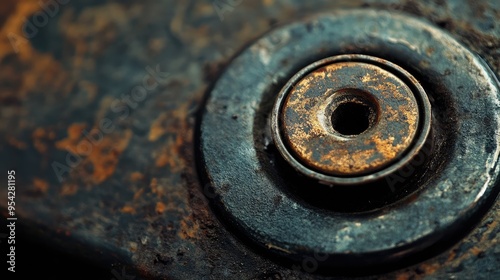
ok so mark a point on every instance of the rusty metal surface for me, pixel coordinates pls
(135, 199)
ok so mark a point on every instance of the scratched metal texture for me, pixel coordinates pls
(135, 198)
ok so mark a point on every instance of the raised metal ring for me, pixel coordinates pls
(394, 140)
(259, 196)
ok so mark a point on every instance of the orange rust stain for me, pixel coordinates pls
(136, 176)
(40, 136)
(74, 134)
(189, 229)
(69, 189)
(169, 154)
(77, 28)
(16, 143)
(157, 128)
(487, 233)
(403, 277)
(174, 128)
(41, 71)
(75, 130)
(429, 268)
(160, 207)
(12, 37)
(457, 258)
(154, 185)
(476, 251)
(128, 209)
(138, 194)
(102, 153)
(452, 256)
(199, 37)
(39, 133)
(105, 155)
(40, 185)
(168, 122)
(162, 159)
(156, 188)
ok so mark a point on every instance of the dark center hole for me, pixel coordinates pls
(351, 118)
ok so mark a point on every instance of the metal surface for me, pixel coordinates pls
(318, 111)
(146, 213)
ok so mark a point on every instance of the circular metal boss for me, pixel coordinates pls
(348, 116)
(411, 213)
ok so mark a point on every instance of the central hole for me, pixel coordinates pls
(351, 118)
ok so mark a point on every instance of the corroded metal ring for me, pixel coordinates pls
(350, 119)
(259, 195)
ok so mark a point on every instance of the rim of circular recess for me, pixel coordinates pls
(423, 128)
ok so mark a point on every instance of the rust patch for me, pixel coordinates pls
(162, 159)
(105, 156)
(136, 176)
(41, 72)
(74, 134)
(68, 189)
(403, 277)
(430, 268)
(157, 188)
(16, 143)
(154, 186)
(81, 37)
(128, 210)
(168, 154)
(158, 127)
(160, 207)
(40, 137)
(103, 152)
(138, 194)
(168, 122)
(40, 185)
(189, 228)
(451, 256)
(476, 251)
(455, 257)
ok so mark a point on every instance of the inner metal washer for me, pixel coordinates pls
(303, 134)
